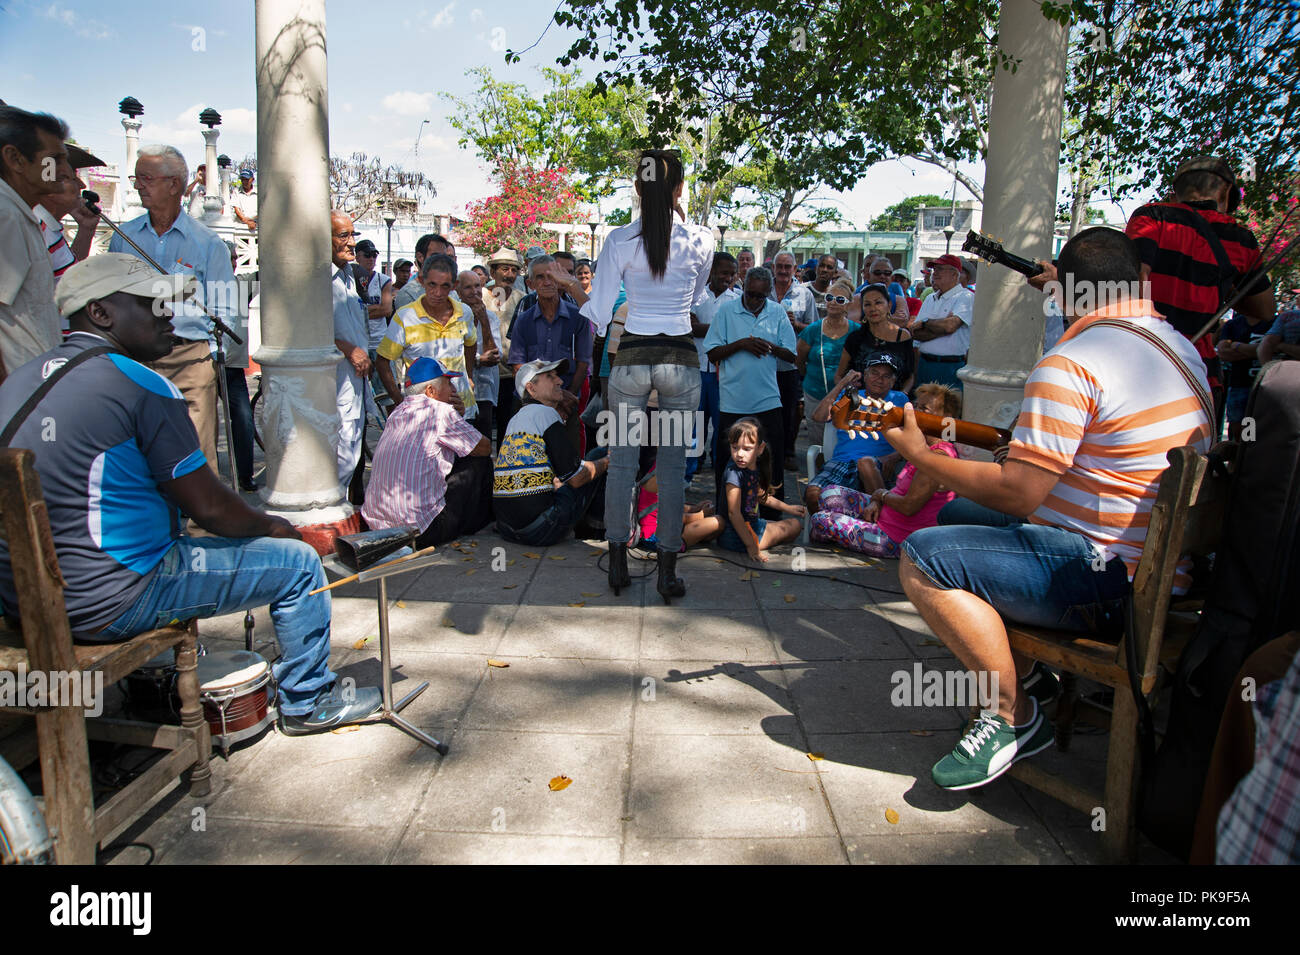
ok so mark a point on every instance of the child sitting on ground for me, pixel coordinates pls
(695, 524)
(747, 480)
(877, 523)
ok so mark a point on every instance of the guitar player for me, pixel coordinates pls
(1099, 415)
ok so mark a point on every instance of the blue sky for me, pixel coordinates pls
(388, 62)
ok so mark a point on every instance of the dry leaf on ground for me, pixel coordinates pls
(789, 598)
(345, 729)
(580, 603)
(930, 643)
(891, 817)
(400, 603)
(497, 663)
(448, 622)
(585, 594)
(361, 644)
(509, 586)
(532, 555)
(815, 757)
(555, 557)
(921, 732)
(559, 782)
(471, 572)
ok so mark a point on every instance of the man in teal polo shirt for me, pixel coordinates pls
(747, 338)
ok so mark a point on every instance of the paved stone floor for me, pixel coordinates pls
(685, 729)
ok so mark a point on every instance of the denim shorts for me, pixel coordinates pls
(1032, 574)
(730, 540)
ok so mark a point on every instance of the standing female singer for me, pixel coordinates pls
(664, 266)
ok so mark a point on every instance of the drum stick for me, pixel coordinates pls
(391, 563)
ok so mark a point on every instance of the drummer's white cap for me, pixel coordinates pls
(101, 275)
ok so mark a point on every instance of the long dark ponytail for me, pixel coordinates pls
(658, 175)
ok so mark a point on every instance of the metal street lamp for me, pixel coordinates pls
(948, 231)
(389, 219)
(593, 220)
(722, 238)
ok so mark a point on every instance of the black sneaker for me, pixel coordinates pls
(332, 711)
(1042, 684)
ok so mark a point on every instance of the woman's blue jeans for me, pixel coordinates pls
(678, 388)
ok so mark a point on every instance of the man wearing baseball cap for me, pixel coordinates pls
(541, 487)
(1196, 255)
(860, 459)
(432, 467)
(376, 292)
(942, 326)
(119, 461)
(243, 199)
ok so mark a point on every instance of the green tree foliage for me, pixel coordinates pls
(1150, 81)
(901, 216)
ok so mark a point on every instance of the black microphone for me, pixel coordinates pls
(91, 199)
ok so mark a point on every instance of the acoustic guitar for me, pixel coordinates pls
(990, 250)
(853, 414)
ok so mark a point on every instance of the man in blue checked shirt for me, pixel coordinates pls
(184, 246)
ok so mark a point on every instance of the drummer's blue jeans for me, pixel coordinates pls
(208, 576)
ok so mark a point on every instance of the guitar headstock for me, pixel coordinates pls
(854, 413)
(985, 246)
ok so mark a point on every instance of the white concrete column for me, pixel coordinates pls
(212, 200)
(1019, 205)
(225, 193)
(298, 413)
(129, 199)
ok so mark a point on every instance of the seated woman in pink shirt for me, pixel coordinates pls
(877, 523)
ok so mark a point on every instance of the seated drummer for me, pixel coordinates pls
(1100, 413)
(432, 467)
(119, 462)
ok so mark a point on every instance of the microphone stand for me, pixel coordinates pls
(219, 329)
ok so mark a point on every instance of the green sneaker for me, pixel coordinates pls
(988, 749)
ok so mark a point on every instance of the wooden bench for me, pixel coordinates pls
(61, 732)
(1187, 518)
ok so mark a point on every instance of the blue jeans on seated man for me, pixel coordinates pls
(1032, 574)
(962, 510)
(557, 521)
(208, 576)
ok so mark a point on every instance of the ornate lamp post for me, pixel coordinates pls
(130, 109)
(212, 199)
(948, 231)
(593, 221)
(389, 219)
(722, 238)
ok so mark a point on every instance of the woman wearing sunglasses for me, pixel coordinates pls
(878, 333)
(820, 347)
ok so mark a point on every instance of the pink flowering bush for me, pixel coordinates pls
(525, 198)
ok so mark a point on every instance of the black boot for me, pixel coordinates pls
(670, 585)
(618, 575)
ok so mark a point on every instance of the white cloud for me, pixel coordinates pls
(475, 15)
(408, 103)
(443, 18)
(79, 24)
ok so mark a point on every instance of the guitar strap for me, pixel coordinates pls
(1202, 395)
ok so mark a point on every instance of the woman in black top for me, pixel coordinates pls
(878, 333)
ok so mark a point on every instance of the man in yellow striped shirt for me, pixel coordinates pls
(433, 326)
(1100, 412)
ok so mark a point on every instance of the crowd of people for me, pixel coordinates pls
(515, 396)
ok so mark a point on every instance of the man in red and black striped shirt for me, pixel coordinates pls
(1189, 273)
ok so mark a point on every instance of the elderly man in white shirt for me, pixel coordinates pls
(942, 327)
(351, 338)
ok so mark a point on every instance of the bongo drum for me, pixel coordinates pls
(237, 693)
